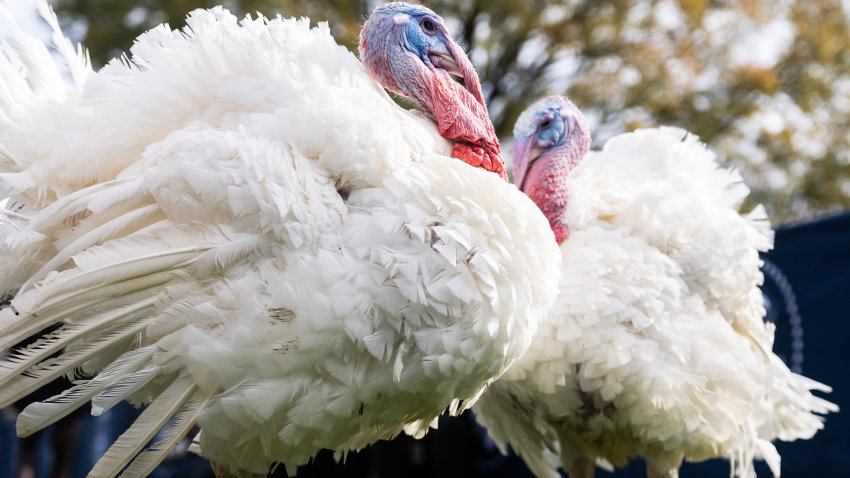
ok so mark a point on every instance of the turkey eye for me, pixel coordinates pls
(429, 27)
(546, 124)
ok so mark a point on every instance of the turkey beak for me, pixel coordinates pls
(525, 152)
(457, 63)
(533, 153)
(446, 62)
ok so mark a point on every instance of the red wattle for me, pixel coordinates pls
(562, 233)
(463, 119)
(477, 156)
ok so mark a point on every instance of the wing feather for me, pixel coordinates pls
(118, 227)
(143, 430)
(145, 462)
(51, 369)
(39, 415)
(21, 360)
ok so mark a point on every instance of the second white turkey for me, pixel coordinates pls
(656, 346)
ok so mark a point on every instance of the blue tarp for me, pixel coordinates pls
(807, 287)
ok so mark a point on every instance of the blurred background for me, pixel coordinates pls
(766, 83)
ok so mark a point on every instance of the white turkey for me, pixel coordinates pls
(656, 346)
(238, 226)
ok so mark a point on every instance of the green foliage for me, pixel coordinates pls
(765, 83)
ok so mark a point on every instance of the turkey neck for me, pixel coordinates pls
(546, 185)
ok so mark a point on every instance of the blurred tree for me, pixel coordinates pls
(766, 83)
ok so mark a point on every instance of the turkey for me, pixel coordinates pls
(656, 346)
(237, 226)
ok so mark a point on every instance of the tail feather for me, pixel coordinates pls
(76, 59)
(42, 75)
(13, 89)
(798, 413)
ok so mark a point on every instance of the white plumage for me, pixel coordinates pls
(239, 226)
(656, 346)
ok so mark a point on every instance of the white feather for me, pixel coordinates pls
(313, 259)
(46, 346)
(155, 416)
(144, 464)
(123, 388)
(38, 415)
(51, 369)
(122, 225)
(76, 59)
(17, 325)
(656, 346)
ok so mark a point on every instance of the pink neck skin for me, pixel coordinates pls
(548, 189)
(546, 184)
(462, 116)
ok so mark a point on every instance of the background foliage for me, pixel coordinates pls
(765, 83)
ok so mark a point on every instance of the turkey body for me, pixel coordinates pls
(655, 347)
(239, 227)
